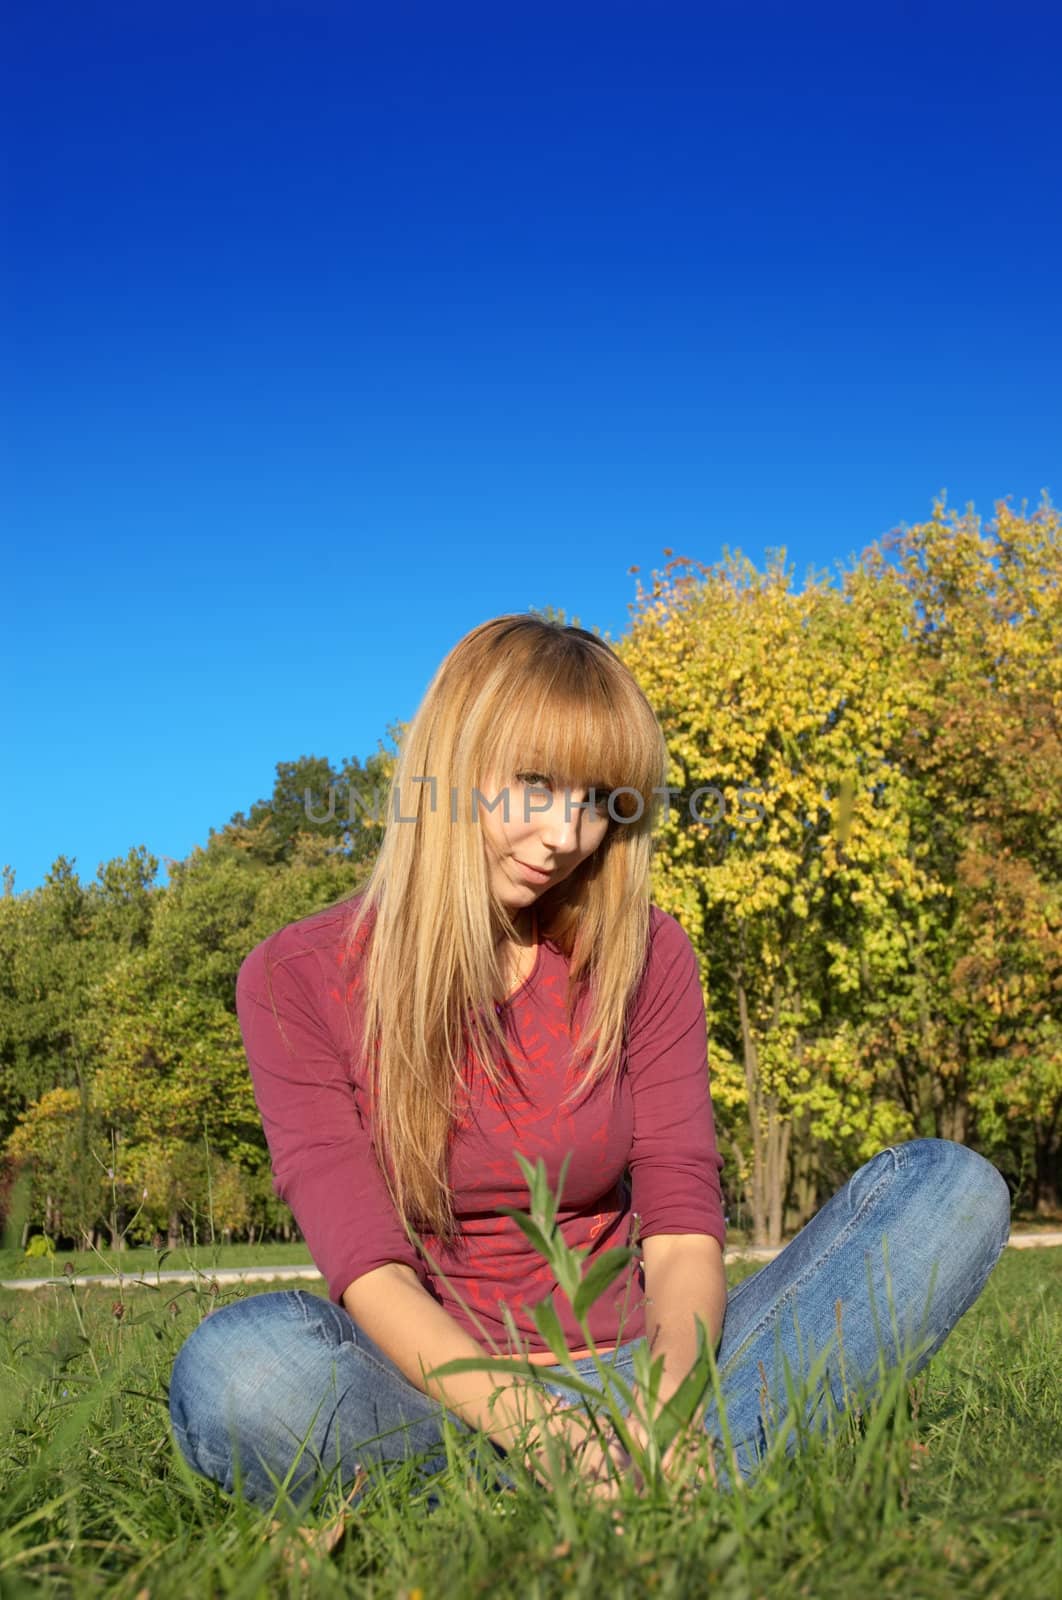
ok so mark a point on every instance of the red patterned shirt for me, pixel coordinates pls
(642, 1146)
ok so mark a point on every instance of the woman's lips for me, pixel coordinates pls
(536, 874)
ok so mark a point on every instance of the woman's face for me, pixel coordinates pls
(549, 832)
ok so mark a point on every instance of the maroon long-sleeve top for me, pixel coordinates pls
(642, 1147)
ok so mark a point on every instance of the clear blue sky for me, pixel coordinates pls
(338, 328)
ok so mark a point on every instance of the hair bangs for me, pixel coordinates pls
(582, 729)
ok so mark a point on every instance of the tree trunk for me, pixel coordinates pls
(952, 1120)
(770, 1132)
(1047, 1179)
(805, 1189)
(779, 1131)
(758, 1181)
(173, 1229)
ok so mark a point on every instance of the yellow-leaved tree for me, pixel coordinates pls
(975, 1029)
(786, 851)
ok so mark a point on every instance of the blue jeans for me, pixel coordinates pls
(286, 1383)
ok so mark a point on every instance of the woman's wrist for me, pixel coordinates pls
(586, 1442)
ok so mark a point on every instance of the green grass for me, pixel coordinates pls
(959, 1494)
(143, 1260)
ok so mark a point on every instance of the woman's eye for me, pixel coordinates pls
(596, 802)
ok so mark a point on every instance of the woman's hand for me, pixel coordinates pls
(681, 1460)
(588, 1446)
(583, 1444)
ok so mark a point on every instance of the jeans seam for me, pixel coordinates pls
(197, 1455)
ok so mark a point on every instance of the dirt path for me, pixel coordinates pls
(1044, 1238)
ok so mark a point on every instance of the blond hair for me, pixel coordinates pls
(518, 693)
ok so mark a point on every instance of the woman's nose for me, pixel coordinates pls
(559, 828)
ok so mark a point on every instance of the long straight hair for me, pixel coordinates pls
(517, 694)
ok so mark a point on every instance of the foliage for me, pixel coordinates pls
(874, 885)
(127, 1086)
(793, 881)
(985, 752)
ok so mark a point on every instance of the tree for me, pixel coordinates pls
(56, 1138)
(786, 870)
(985, 757)
(347, 809)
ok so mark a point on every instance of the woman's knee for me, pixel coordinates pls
(931, 1211)
(949, 1215)
(226, 1341)
(247, 1367)
(959, 1190)
(287, 1387)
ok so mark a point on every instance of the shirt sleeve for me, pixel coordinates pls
(674, 1163)
(323, 1160)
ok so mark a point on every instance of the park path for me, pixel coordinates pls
(1020, 1241)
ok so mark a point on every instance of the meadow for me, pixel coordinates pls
(952, 1486)
(145, 1261)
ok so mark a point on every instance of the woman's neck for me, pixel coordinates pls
(524, 921)
(517, 957)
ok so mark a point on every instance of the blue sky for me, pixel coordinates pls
(339, 328)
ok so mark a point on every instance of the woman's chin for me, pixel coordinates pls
(520, 896)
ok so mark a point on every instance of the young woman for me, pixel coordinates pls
(504, 985)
